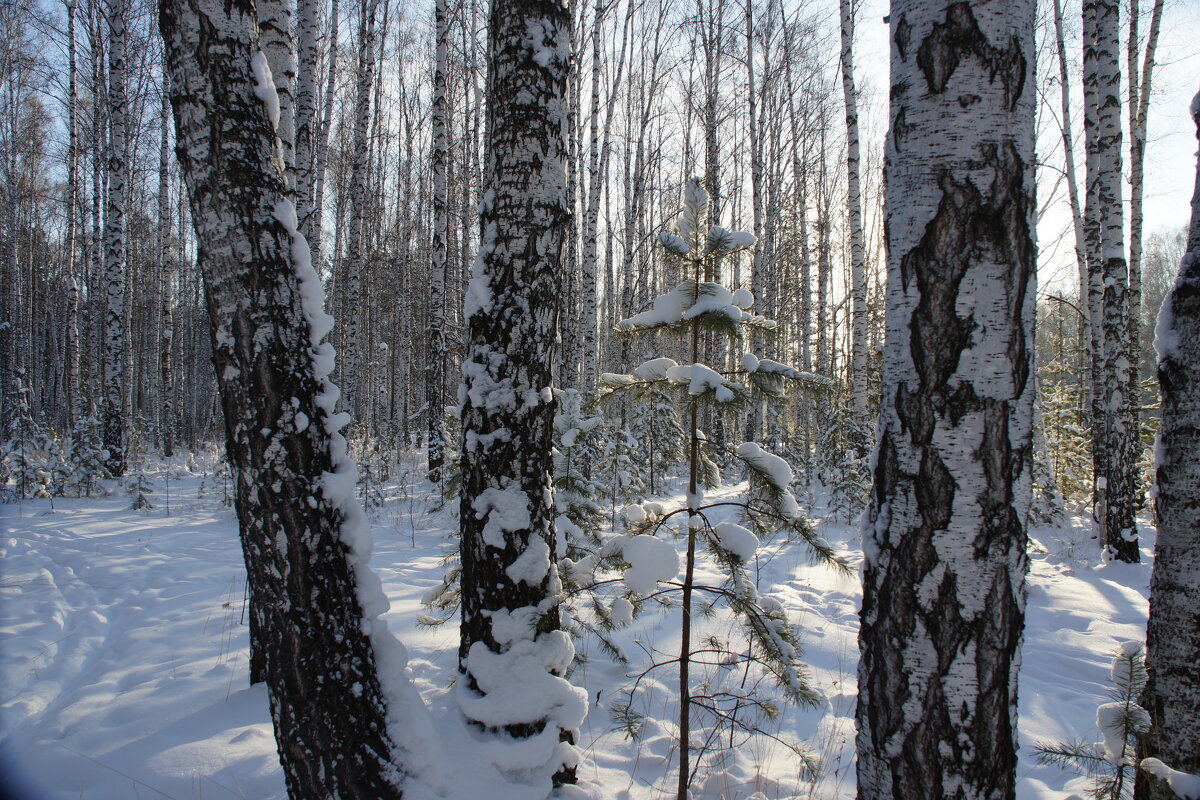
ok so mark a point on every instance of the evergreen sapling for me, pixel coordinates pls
(697, 309)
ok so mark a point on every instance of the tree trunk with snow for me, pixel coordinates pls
(115, 419)
(1068, 139)
(1172, 695)
(1115, 474)
(275, 39)
(308, 36)
(858, 265)
(435, 363)
(358, 240)
(1140, 81)
(73, 383)
(510, 618)
(944, 541)
(305, 541)
(313, 219)
(167, 275)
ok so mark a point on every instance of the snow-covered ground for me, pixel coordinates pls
(123, 656)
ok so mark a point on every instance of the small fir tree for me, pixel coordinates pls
(695, 309)
(85, 458)
(578, 442)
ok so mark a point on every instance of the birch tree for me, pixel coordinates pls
(511, 629)
(357, 244)
(73, 384)
(1114, 441)
(435, 360)
(167, 277)
(315, 603)
(115, 419)
(944, 541)
(858, 266)
(1173, 634)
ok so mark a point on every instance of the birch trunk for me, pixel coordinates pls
(275, 39)
(305, 541)
(357, 241)
(435, 366)
(314, 220)
(1068, 138)
(167, 274)
(755, 412)
(858, 266)
(1119, 531)
(73, 387)
(308, 32)
(1095, 277)
(115, 419)
(944, 540)
(507, 511)
(1139, 108)
(1173, 633)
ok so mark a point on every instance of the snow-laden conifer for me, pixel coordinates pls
(695, 308)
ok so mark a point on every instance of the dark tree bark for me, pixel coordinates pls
(508, 538)
(435, 359)
(1173, 634)
(302, 534)
(115, 377)
(944, 543)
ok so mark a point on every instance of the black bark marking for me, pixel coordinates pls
(959, 36)
(900, 127)
(306, 620)
(973, 224)
(903, 37)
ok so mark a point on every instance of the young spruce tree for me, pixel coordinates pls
(697, 308)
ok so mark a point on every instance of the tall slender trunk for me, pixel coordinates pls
(73, 388)
(435, 361)
(1139, 108)
(824, 268)
(115, 379)
(598, 160)
(1119, 530)
(1068, 138)
(314, 221)
(754, 414)
(308, 31)
(858, 266)
(713, 31)
(800, 183)
(357, 241)
(167, 268)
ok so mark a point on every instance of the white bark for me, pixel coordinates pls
(944, 540)
(1173, 632)
(435, 367)
(358, 239)
(115, 419)
(73, 383)
(858, 266)
(275, 39)
(1115, 458)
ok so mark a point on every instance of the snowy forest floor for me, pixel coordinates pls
(124, 653)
